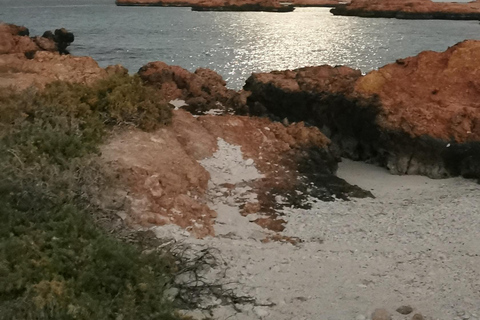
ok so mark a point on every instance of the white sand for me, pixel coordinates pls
(417, 243)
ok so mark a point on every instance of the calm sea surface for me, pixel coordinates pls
(235, 44)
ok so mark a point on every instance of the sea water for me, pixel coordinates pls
(235, 44)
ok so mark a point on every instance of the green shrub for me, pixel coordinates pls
(55, 262)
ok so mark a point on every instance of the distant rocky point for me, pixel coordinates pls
(232, 5)
(410, 9)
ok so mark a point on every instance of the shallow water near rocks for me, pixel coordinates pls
(235, 44)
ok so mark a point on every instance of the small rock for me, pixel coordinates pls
(381, 314)
(418, 316)
(405, 310)
(249, 162)
(360, 317)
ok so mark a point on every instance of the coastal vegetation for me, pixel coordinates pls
(56, 262)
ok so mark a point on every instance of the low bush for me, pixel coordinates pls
(55, 262)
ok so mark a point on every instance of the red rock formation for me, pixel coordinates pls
(167, 185)
(226, 3)
(14, 39)
(419, 115)
(26, 61)
(19, 72)
(410, 9)
(203, 90)
(435, 93)
(222, 5)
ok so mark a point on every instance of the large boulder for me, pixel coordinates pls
(419, 115)
(203, 90)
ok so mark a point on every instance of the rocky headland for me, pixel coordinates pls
(419, 115)
(215, 5)
(409, 9)
(232, 5)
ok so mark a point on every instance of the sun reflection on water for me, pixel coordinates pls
(235, 44)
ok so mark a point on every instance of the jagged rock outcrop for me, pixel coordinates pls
(167, 183)
(35, 61)
(214, 5)
(202, 90)
(15, 39)
(419, 115)
(410, 9)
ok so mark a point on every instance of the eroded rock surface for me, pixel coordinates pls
(35, 61)
(203, 90)
(419, 115)
(173, 173)
(410, 9)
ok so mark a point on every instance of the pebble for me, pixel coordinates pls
(360, 317)
(249, 162)
(405, 310)
(381, 314)
(418, 316)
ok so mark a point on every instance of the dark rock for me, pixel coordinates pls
(23, 31)
(48, 35)
(405, 310)
(30, 54)
(63, 38)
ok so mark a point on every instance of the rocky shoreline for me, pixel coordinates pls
(397, 117)
(229, 5)
(407, 116)
(215, 5)
(257, 175)
(401, 9)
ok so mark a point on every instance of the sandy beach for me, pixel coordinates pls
(417, 243)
